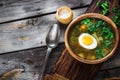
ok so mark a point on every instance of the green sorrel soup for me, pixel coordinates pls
(91, 38)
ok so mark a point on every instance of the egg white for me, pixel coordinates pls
(93, 45)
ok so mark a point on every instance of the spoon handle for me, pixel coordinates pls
(41, 77)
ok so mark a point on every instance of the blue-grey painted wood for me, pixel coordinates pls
(20, 9)
(29, 33)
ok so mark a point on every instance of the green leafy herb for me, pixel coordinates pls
(104, 6)
(86, 21)
(91, 28)
(95, 26)
(105, 11)
(107, 43)
(103, 54)
(116, 18)
(99, 3)
(105, 30)
(99, 23)
(90, 25)
(99, 53)
(109, 35)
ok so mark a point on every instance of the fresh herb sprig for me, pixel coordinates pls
(116, 18)
(99, 53)
(104, 6)
(105, 11)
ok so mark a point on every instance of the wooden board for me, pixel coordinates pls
(67, 66)
(11, 10)
(71, 68)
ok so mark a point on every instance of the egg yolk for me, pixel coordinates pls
(87, 40)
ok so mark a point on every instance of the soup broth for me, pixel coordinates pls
(91, 38)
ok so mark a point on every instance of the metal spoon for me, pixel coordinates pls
(52, 40)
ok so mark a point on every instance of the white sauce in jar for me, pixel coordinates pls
(64, 14)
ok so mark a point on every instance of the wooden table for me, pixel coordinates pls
(23, 27)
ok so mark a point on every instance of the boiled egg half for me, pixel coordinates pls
(87, 41)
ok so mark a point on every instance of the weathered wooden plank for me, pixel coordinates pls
(29, 33)
(18, 9)
(29, 60)
(112, 63)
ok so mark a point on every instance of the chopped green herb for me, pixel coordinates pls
(86, 21)
(103, 54)
(91, 28)
(107, 43)
(104, 6)
(109, 35)
(99, 53)
(116, 18)
(99, 3)
(105, 30)
(99, 23)
(104, 12)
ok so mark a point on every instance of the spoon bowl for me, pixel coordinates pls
(53, 35)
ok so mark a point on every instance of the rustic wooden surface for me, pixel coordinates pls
(21, 9)
(26, 16)
(29, 33)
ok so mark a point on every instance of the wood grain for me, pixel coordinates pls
(32, 59)
(29, 33)
(11, 10)
(67, 66)
(74, 70)
(29, 60)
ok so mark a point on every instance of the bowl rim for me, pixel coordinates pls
(92, 15)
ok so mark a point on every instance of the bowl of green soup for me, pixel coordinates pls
(91, 38)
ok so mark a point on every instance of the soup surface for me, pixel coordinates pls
(91, 38)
